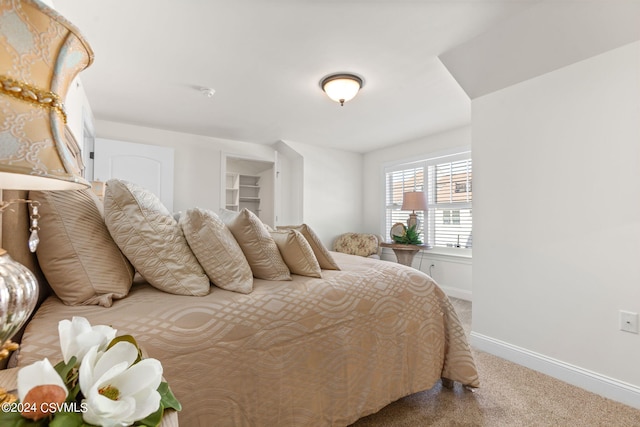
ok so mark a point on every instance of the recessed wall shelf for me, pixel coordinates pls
(243, 191)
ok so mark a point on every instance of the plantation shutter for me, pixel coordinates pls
(448, 184)
(408, 177)
(450, 200)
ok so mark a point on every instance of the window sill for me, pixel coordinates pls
(460, 256)
(463, 256)
(455, 253)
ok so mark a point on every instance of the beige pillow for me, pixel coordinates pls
(258, 247)
(217, 250)
(148, 235)
(297, 253)
(322, 254)
(76, 253)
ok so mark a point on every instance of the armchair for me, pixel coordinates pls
(362, 244)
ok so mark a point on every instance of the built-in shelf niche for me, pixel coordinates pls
(250, 184)
(232, 190)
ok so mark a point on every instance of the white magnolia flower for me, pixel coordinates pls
(78, 336)
(118, 393)
(40, 389)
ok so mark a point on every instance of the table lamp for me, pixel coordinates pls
(40, 55)
(414, 201)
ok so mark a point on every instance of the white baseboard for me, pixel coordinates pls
(457, 293)
(619, 391)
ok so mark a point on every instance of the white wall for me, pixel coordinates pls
(557, 222)
(452, 274)
(332, 179)
(332, 196)
(197, 160)
(291, 170)
(78, 109)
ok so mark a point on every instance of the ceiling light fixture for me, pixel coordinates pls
(341, 87)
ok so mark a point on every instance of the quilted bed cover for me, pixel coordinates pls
(306, 352)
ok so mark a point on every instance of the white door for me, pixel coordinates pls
(148, 166)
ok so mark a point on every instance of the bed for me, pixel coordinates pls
(310, 351)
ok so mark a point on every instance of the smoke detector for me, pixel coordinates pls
(208, 92)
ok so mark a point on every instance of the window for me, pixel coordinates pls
(407, 177)
(448, 184)
(450, 217)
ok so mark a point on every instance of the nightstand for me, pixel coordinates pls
(9, 379)
(404, 253)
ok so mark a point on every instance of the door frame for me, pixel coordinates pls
(223, 177)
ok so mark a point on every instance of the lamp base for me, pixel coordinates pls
(413, 220)
(7, 348)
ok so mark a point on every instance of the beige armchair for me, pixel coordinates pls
(362, 244)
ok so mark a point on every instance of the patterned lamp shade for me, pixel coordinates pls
(40, 55)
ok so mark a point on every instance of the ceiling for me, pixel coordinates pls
(265, 58)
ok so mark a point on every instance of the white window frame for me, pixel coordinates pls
(453, 155)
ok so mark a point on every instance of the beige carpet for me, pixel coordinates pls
(510, 395)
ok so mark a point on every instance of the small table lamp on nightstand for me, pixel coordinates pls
(38, 62)
(414, 201)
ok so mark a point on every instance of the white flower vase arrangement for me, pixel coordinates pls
(102, 381)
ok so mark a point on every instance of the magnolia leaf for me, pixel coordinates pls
(68, 419)
(167, 399)
(73, 393)
(129, 339)
(14, 419)
(66, 371)
(152, 420)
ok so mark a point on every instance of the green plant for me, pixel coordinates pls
(411, 236)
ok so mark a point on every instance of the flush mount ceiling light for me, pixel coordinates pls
(341, 87)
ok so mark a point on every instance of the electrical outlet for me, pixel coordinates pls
(628, 321)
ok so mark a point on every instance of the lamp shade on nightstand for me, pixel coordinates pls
(414, 201)
(40, 55)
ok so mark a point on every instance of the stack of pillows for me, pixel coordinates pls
(89, 251)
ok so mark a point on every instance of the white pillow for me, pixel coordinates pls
(217, 250)
(146, 232)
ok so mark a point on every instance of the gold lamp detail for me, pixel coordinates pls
(341, 87)
(40, 55)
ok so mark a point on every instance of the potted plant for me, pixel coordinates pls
(411, 236)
